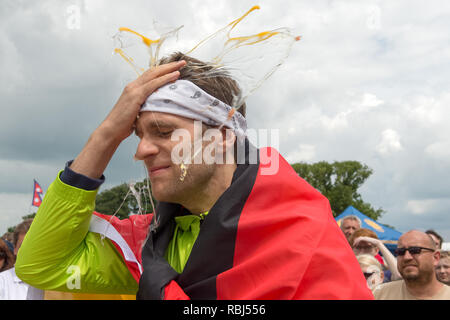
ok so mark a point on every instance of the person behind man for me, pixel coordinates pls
(436, 238)
(7, 258)
(220, 230)
(417, 258)
(349, 225)
(372, 270)
(8, 236)
(12, 287)
(365, 241)
(443, 268)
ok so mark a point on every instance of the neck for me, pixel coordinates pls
(203, 199)
(420, 289)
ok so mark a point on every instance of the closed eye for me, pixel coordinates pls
(164, 134)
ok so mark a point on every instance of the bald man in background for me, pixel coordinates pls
(417, 258)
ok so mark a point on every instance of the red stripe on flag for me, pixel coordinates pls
(37, 195)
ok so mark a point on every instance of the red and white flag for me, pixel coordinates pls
(37, 194)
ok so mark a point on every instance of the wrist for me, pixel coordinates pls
(106, 135)
(96, 154)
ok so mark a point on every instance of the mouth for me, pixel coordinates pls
(409, 266)
(157, 170)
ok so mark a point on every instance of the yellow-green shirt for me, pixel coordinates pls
(186, 232)
(59, 239)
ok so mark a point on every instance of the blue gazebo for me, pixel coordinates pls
(387, 235)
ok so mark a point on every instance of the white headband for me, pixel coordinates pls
(185, 99)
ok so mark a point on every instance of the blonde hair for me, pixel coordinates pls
(445, 254)
(367, 260)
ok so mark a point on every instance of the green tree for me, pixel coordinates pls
(339, 182)
(122, 201)
(29, 216)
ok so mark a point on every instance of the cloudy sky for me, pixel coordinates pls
(369, 81)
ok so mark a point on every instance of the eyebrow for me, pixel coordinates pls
(160, 124)
(156, 124)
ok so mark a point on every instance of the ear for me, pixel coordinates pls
(436, 257)
(226, 145)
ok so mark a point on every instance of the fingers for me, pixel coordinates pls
(150, 87)
(159, 71)
(362, 239)
(154, 78)
(369, 239)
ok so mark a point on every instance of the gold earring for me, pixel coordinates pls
(183, 168)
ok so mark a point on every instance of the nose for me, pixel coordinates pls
(407, 256)
(146, 148)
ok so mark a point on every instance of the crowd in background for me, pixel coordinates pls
(11, 287)
(418, 269)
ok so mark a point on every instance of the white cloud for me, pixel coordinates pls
(337, 122)
(439, 150)
(14, 206)
(370, 101)
(426, 110)
(390, 142)
(419, 207)
(17, 175)
(304, 153)
(359, 70)
(427, 206)
(373, 21)
(292, 130)
(354, 105)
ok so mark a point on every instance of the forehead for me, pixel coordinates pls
(350, 222)
(414, 239)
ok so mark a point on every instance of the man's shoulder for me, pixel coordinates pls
(391, 285)
(445, 293)
(389, 290)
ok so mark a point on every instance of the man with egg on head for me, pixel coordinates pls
(229, 224)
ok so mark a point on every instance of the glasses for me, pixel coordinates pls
(411, 250)
(368, 274)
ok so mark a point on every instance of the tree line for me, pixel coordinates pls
(337, 181)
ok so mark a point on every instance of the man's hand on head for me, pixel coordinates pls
(119, 123)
